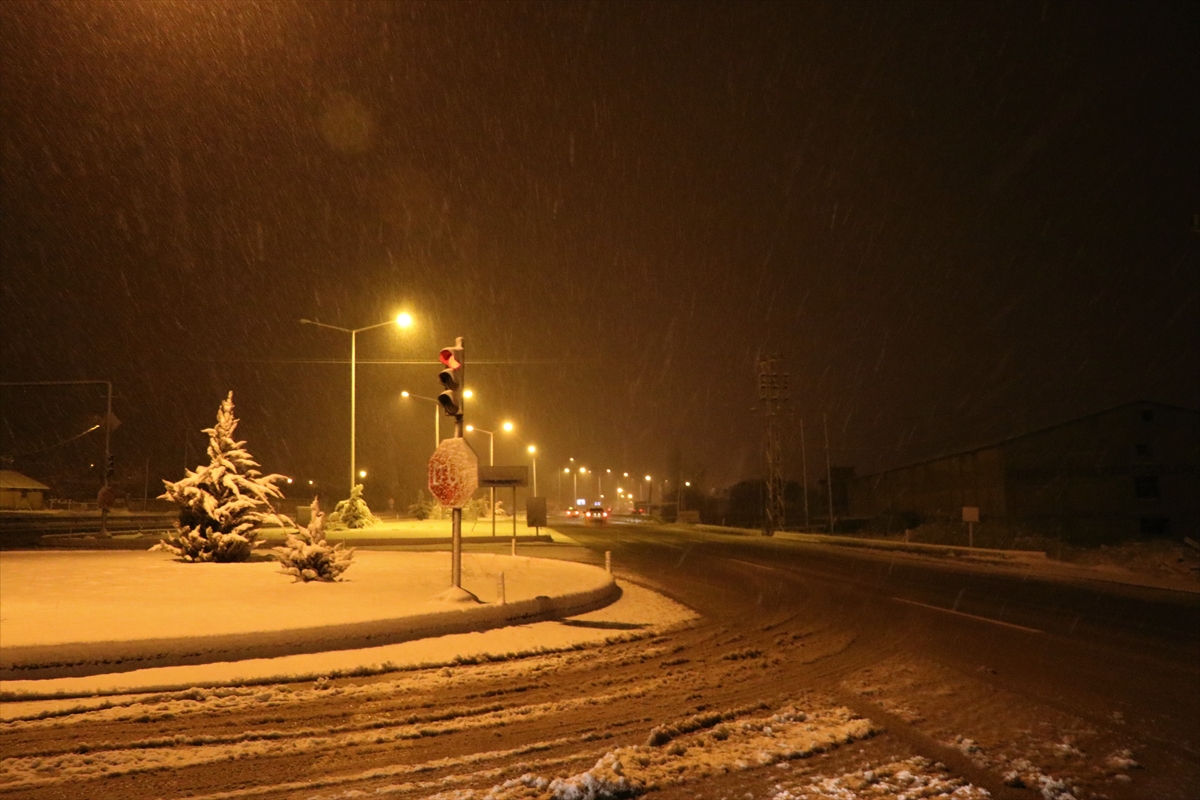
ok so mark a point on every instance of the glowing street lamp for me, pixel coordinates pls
(532, 450)
(402, 320)
(575, 481)
(508, 427)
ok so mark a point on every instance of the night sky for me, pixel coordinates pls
(952, 222)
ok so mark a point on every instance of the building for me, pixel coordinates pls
(20, 492)
(1129, 472)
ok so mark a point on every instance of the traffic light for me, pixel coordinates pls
(110, 467)
(451, 398)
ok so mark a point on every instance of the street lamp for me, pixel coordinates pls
(508, 426)
(649, 491)
(532, 450)
(437, 416)
(402, 320)
(575, 482)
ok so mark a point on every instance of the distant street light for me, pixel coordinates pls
(533, 455)
(649, 490)
(508, 426)
(403, 320)
(437, 416)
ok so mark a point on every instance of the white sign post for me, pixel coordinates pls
(970, 516)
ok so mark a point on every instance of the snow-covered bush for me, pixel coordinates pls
(222, 506)
(477, 508)
(425, 508)
(308, 557)
(353, 513)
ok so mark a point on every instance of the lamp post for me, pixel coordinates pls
(508, 427)
(532, 450)
(437, 416)
(403, 320)
(649, 492)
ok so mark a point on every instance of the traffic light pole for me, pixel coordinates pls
(456, 514)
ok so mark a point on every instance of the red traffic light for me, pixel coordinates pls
(449, 358)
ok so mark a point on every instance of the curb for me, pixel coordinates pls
(37, 662)
(880, 544)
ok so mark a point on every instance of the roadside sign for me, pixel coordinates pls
(504, 476)
(970, 513)
(535, 512)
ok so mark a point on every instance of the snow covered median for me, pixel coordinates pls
(72, 614)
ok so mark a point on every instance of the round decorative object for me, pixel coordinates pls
(453, 473)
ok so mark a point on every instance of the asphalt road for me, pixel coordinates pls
(1096, 651)
(987, 674)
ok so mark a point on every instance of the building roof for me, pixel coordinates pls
(11, 479)
(1020, 436)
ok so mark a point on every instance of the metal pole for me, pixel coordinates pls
(353, 355)
(107, 452)
(828, 470)
(514, 513)
(437, 425)
(456, 529)
(804, 468)
(492, 463)
(535, 494)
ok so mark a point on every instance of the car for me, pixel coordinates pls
(573, 513)
(596, 515)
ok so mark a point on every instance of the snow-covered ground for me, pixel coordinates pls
(76, 598)
(75, 603)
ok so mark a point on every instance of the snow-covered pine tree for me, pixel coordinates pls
(223, 505)
(353, 513)
(308, 557)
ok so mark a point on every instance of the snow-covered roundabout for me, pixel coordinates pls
(80, 623)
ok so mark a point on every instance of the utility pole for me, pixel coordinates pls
(804, 473)
(773, 395)
(106, 495)
(828, 471)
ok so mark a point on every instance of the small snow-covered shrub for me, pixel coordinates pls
(426, 507)
(353, 512)
(222, 506)
(307, 556)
